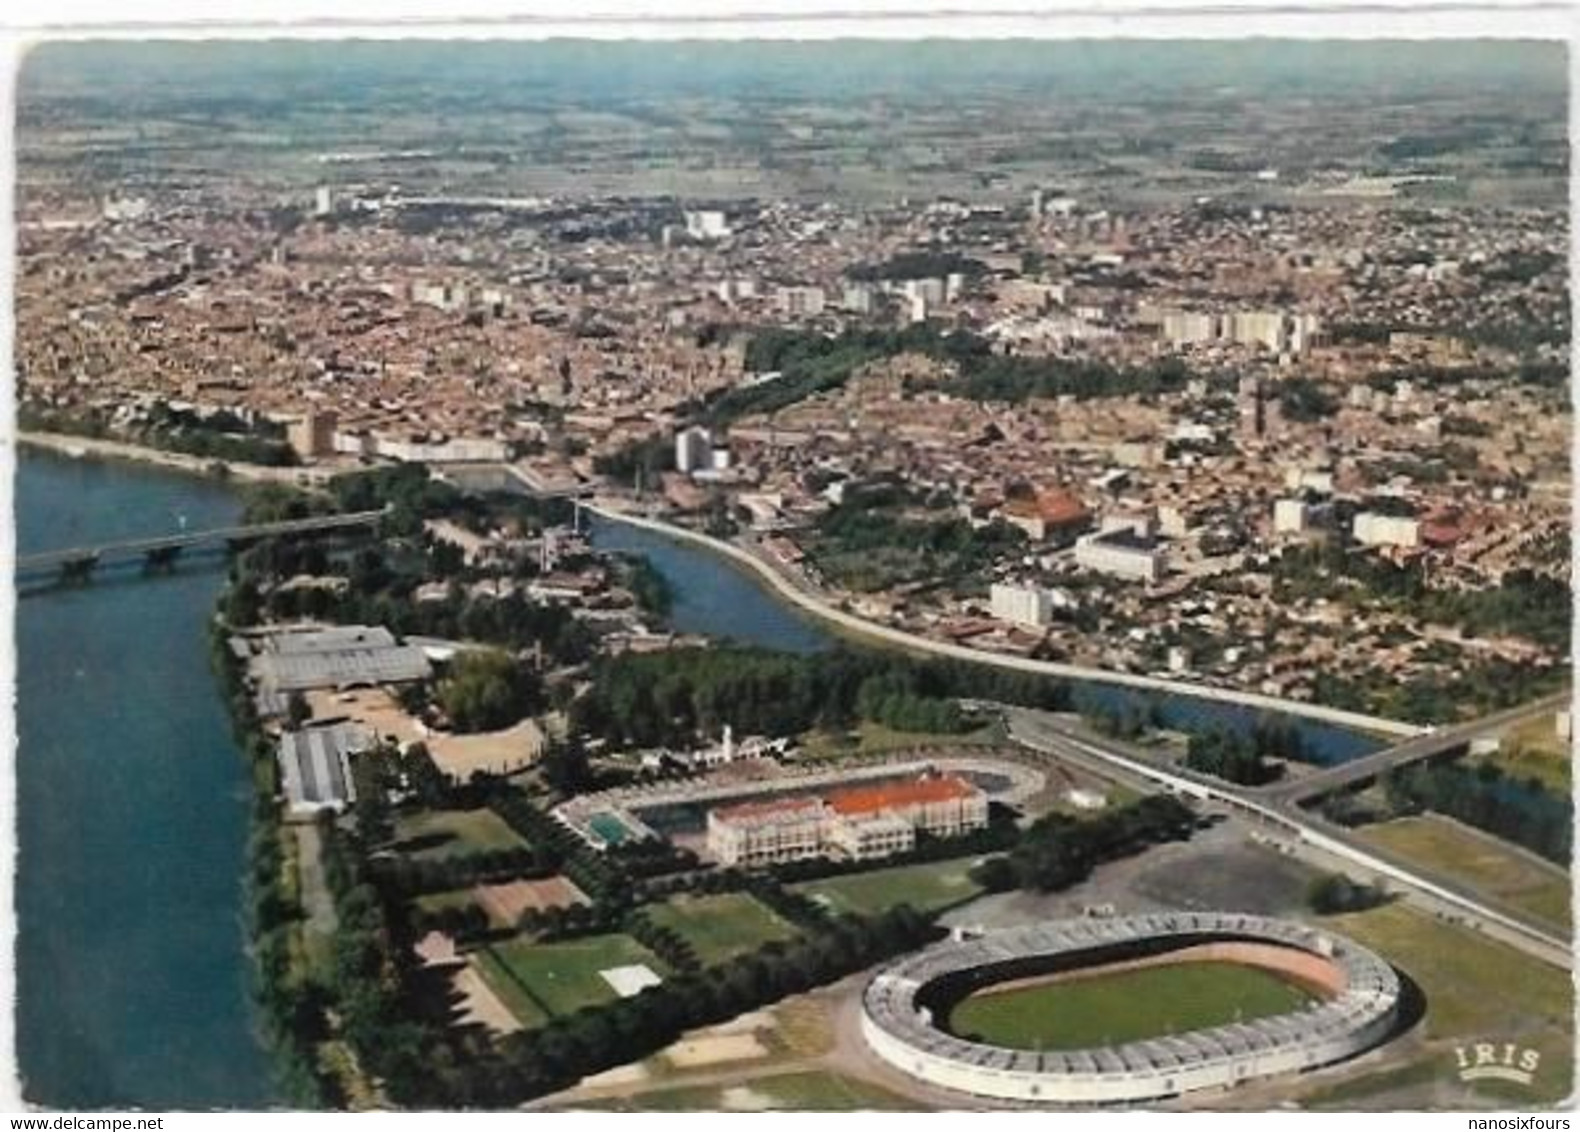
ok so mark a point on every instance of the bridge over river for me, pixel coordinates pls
(79, 561)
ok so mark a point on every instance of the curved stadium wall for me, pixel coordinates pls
(899, 1004)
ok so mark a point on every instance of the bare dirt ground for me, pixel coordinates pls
(500, 752)
(479, 1004)
(504, 903)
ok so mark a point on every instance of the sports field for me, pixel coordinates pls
(924, 887)
(538, 981)
(437, 834)
(1125, 1006)
(721, 927)
(1499, 871)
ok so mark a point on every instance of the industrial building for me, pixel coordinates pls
(1121, 553)
(1386, 530)
(315, 767)
(344, 656)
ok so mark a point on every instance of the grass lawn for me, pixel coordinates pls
(1344, 1093)
(438, 901)
(1506, 876)
(517, 998)
(436, 834)
(813, 1091)
(1125, 1006)
(1476, 989)
(722, 927)
(871, 738)
(928, 887)
(547, 979)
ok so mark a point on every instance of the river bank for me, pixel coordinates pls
(86, 447)
(818, 607)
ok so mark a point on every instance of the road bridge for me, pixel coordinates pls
(80, 561)
(1442, 743)
(1046, 732)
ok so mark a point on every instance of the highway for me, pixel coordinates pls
(803, 594)
(168, 543)
(1306, 834)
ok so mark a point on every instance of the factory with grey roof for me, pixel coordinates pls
(280, 662)
(315, 767)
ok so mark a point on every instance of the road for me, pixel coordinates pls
(1306, 834)
(1420, 748)
(813, 601)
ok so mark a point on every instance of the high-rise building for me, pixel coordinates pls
(323, 201)
(806, 301)
(1253, 416)
(314, 434)
(1031, 606)
(1186, 328)
(693, 449)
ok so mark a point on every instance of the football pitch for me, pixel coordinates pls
(537, 981)
(722, 927)
(1124, 1006)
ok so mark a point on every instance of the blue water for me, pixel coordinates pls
(132, 812)
(715, 595)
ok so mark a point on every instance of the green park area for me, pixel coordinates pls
(1124, 1006)
(437, 834)
(721, 927)
(1476, 990)
(811, 1091)
(927, 887)
(1535, 750)
(1518, 880)
(870, 737)
(538, 981)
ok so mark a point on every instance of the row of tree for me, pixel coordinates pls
(672, 698)
(1231, 756)
(1057, 851)
(290, 1002)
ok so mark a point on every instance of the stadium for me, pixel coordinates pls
(1348, 1002)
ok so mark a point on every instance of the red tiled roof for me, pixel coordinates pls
(1057, 507)
(889, 796)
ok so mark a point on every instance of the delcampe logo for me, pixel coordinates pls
(1507, 1062)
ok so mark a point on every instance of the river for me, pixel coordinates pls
(133, 800)
(718, 597)
(133, 807)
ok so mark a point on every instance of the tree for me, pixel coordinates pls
(297, 710)
(565, 766)
(487, 689)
